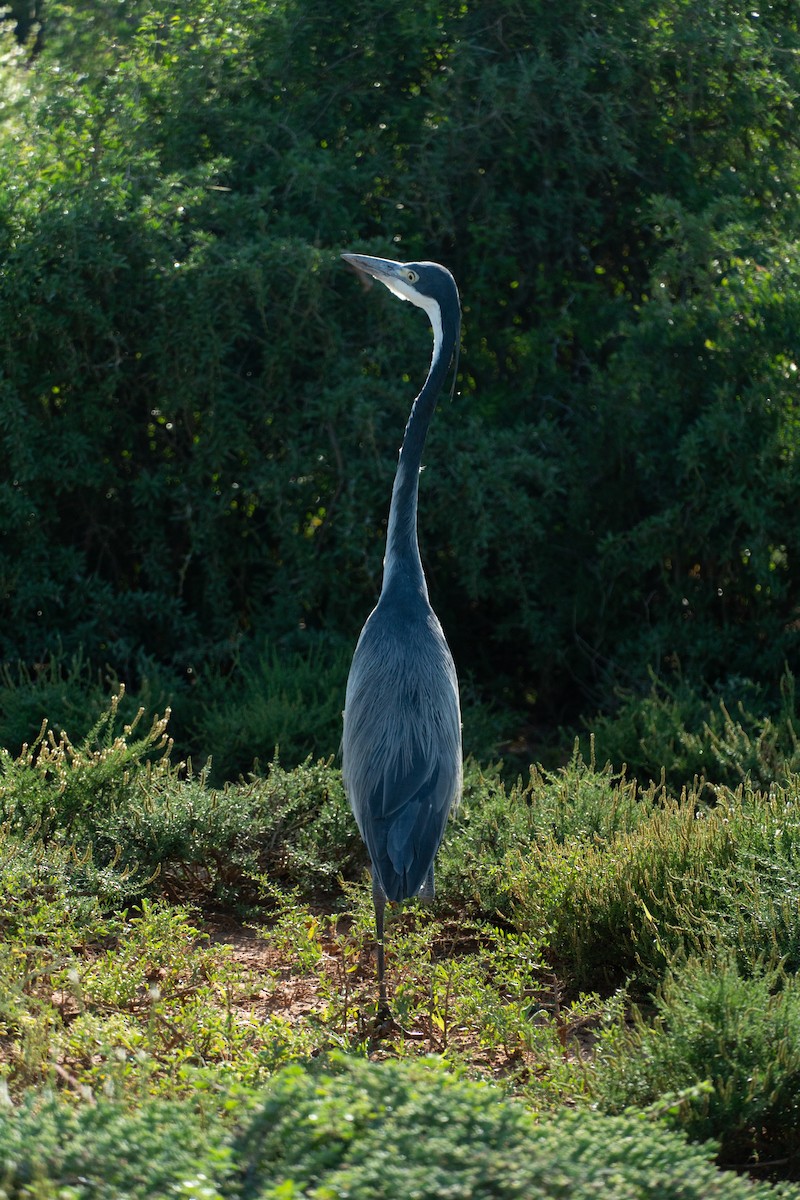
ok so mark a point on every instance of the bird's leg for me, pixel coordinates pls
(428, 889)
(379, 900)
(385, 1023)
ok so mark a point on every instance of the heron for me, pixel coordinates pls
(401, 746)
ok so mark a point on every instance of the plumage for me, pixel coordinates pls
(402, 742)
(401, 747)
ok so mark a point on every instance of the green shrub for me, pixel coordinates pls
(119, 805)
(290, 828)
(683, 730)
(282, 704)
(614, 878)
(396, 1129)
(54, 1151)
(470, 866)
(760, 892)
(48, 890)
(497, 822)
(627, 905)
(617, 879)
(199, 416)
(354, 1128)
(54, 786)
(741, 1036)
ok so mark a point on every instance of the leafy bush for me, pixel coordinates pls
(617, 879)
(119, 804)
(398, 1129)
(55, 787)
(612, 877)
(284, 704)
(356, 1128)
(199, 418)
(625, 906)
(497, 823)
(51, 1150)
(760, 894)
(684, 731)
(742, 1036)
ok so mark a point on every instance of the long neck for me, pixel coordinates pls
(402, 548)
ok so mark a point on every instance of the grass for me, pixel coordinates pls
(185, 962)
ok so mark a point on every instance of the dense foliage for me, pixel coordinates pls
(353, 1131)
(199, 410)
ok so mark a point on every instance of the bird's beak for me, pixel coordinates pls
(378, 268)
(386, 270)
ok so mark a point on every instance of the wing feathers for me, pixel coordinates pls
(404, 826)
(401, 749)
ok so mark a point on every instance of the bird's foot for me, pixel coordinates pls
(386, 1026)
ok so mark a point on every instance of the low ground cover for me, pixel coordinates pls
(604, 962)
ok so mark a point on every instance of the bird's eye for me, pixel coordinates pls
(412, 276)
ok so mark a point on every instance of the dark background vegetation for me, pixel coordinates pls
(200, 409)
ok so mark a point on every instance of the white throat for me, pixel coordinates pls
(434, 312)
(405, 291)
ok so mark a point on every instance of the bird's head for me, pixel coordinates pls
(419, 282)
(426, 284)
